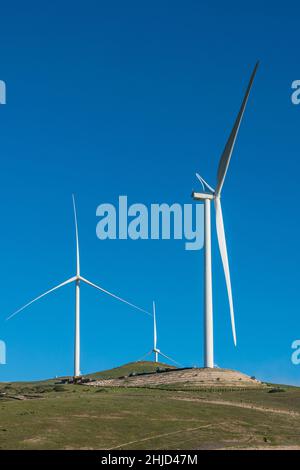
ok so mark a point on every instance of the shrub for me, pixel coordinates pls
(59, 388)
(276, 390)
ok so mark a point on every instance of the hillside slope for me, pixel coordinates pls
(46, 415)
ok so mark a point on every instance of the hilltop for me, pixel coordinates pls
(138, 367)
(187, 414)
(149, 374)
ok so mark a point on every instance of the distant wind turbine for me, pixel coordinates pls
(77, 279)
(155, 349)
(207, 196)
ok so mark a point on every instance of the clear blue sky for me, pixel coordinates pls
(109, 98)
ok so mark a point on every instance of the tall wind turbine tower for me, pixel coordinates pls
(77, 372)
(77, 280)
(208, 195)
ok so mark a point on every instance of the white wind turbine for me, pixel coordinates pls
(207, 196)
(77, 279)
(155, 349)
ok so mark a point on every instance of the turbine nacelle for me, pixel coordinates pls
(202, 196)
(208, 191)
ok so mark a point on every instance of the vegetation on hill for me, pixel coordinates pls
(139, 367)
(45, 415)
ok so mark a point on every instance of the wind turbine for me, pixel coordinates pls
(77, 279)
(155, 349)
(209, 194)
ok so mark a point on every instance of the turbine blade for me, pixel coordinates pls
(204, 183)
(226, 156)
(201, 181)
(114, 296)
(224, 256)
(144, 357)
(77, 238)
(154, 326)
(170, 359)
(72, 279)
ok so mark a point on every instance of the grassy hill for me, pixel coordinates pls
(132, 367)
(45, 415)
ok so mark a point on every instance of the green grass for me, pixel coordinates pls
(80, 417)
(136, 367)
